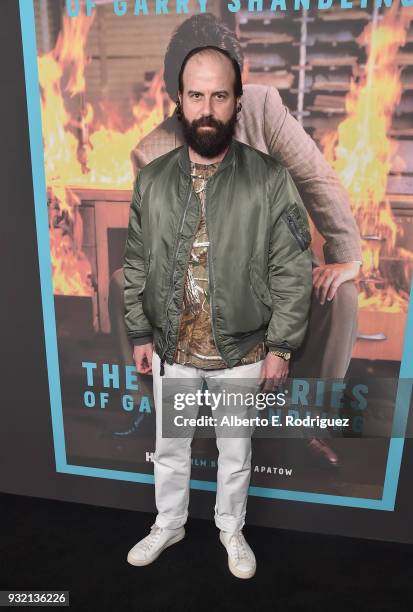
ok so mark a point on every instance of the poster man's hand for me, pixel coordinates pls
(274, 371)
(142, 356)
(328, 278)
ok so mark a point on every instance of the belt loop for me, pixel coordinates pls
(162, 372)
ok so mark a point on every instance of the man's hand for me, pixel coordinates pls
(142, 356)
(328, 278)
(274, 371)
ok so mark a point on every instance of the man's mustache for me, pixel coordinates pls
(206, 122)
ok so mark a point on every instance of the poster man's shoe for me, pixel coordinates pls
(134, 429)
(149, 549)
(323, 453)
(241, 559)
(142, 425)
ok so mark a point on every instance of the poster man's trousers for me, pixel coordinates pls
(172, 458)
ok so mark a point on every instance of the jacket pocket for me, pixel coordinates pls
(260, 287)
(298, 225)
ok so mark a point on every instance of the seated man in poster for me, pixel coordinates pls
(266, 124)
(218, 285)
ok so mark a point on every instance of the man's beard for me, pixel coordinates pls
(209, 143)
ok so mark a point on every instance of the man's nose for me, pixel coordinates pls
(207, 107)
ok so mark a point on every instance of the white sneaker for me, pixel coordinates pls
(241, 559)
(149, 549)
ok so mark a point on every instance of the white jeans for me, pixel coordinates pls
(172, 458)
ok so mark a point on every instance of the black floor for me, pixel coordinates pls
(50, 544)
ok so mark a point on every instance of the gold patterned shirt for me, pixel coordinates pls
(196, 346)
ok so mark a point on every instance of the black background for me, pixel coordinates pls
(27, 464)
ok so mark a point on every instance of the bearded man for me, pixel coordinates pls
(218, 282)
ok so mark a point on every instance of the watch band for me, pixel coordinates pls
(286, 355)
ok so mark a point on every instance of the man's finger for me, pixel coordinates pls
(324, 274)
(143, 365)
(269, 384)
(326, 286)
(316, 273)
(316, 280)
(333, 288)
(262, 374)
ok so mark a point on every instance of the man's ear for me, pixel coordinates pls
(178, 109)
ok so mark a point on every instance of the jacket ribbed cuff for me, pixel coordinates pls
(277, 347)
(142, 340)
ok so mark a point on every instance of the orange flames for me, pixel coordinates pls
(361, 150)
(90, 146)
(83, 146)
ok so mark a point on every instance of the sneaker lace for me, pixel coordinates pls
(151, 539)
(237, 545)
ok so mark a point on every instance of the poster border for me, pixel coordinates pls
(395, 452)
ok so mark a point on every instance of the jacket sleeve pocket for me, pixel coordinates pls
(298, 225)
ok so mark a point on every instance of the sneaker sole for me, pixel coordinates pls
(139, 563)
(234, 570)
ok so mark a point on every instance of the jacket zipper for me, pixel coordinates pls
(171, 289)
(186, 267)
(211, 277)
(295, 231)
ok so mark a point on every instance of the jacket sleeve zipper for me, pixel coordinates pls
(295, 231)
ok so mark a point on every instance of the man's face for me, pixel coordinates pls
(208, 103)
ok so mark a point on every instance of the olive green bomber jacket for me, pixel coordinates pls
(260, 274)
